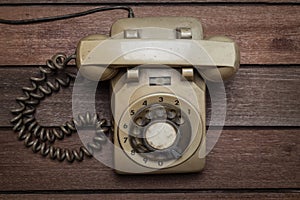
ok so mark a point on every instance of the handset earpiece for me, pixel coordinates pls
(92, 72)
(224, 70)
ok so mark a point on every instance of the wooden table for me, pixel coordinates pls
(258, 153)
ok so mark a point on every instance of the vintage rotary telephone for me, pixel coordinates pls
(157, 68)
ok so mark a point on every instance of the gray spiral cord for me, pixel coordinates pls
(40, 138)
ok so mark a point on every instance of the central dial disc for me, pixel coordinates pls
(160, 135)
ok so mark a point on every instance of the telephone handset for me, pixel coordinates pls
(157, 67)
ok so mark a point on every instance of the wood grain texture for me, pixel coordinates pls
(261, 162)
(265, 34)
(141, 1)
(240, 159)
(260, 96)
(191, 196)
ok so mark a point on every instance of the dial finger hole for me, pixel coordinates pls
(149, 115)
(171, 114)
(140, 121)
(136, 131)
(160, 112)
(179, 120)
(141, 148)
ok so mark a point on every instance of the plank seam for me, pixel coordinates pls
(246, 128)
(251, 3)
(250, 66)
(156, 191)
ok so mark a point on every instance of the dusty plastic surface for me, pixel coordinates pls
(157, 42)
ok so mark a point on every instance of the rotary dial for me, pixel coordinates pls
(156, 131)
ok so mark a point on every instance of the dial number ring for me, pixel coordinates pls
(129, 123)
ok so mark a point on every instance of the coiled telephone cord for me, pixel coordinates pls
(40, 138)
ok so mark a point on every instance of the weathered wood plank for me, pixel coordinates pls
(260, 96)
(141, 1)
(192, 196)
(241, 159)
(266, 34)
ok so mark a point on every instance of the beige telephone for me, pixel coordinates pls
(157, 68)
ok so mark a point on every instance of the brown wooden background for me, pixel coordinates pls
(258, 154)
